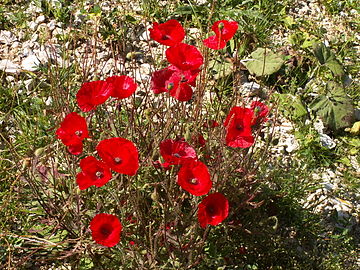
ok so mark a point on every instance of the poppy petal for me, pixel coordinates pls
(168, 33)
(120, 154)
(106, 229)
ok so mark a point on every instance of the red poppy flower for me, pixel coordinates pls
(76, 148)
(120, 154)
(176, 152)
(238, 127)
(224, 31)
(178, 89)
(194, 177)
(92, 94)
(213, 210)
(175, 81)
(94, 172)
(184, 56)
(214, 42)
(159, 78)
(168, 33)
(124, 86)
(260, 112)
(72, 131)
(106, 229)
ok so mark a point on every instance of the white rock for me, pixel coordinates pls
(291, 144)
(51, 25)
(7, 37)
(10, 78)
(319, 126)
(29, 84)
(326, 141)
(8, 66)
(32, 25)
(48, 101)
(33, 8)
(40, 19)
(57, 31)
(108, 66)
(251, 88)
(34, 37)
(30, 63)
(145, 36)
(15, 45)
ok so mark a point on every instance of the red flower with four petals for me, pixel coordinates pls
(124, 86)
(168, 33)
(72, 131)
(213, 210)
(92, 94)
(106, 229)
(120, 154)
(238, 127)
(224, 31)
(194, 177)
(94, 172)
(176, 152)
(184, 56)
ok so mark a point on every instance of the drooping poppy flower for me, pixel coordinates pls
(120, 154)
(198, 140)
(176, 152)
(92, 94)
(194, 177)
(238, 127)
(94, 172)
(224, 31)
(76, 148)
(159, 79)
(72, 131)
(178, 89)
(211, 124)
(168, 33)
(124, 86)
(213, 209)
(175, 81)
(106, 229)
(260, 112)
(184, 56)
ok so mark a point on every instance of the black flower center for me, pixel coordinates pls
(177, 155)
(117, 160)
(165, 37)
(78, 133)
(105, 230)
(211, 210)
(239, 126)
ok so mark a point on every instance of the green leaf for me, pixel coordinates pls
(327, 58)
(292, 106)
(221, 68)
(335, 108)
(264, 62)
